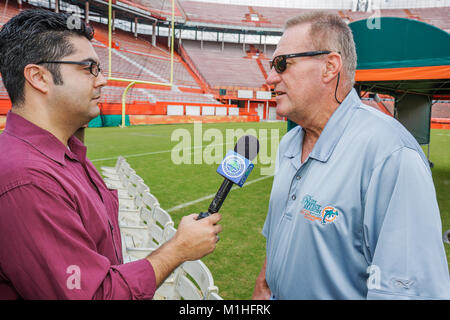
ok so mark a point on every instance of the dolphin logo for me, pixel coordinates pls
(329, 214)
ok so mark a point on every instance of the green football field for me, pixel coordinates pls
(179, 162)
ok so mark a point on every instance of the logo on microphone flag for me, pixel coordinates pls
(235, 167)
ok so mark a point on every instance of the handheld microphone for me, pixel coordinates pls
(235, 168)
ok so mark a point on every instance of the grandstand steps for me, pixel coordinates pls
(193, 69)
(254, 16)
(161, 9)
(224, 69)
(261, 67)
(126, 41)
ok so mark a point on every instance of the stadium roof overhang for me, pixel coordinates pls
(402, 56)
(214, 27)
(407, 59)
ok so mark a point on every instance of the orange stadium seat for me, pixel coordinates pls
(228, 68)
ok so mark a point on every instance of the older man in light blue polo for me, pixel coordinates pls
(353, 211)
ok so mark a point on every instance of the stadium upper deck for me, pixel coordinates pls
(204, 67)
(271, 17)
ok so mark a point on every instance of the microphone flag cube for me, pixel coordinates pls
(235, 168)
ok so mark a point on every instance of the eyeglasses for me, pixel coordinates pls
(94, 67)
(279, 62)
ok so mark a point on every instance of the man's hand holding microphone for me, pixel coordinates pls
(197, 234)
(194, 240)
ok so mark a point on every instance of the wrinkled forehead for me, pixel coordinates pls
(295, 39)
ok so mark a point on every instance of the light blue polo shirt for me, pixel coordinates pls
(359, 218)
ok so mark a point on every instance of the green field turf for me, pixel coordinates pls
(240, 253)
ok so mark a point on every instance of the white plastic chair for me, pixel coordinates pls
(169, 232)
(133, 202)
(167, 289)
(200, 273)
(161, 220)
(214, 296)
(141, 216)
(125, 255)
(138, 253)
(154, 234)
(139, 236)
(116, 176)
(191, 281)
(115, 169)
(150, 202)
(122, 179)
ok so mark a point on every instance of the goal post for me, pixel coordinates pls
(132, 82)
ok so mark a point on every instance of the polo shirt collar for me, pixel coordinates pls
(42, 140)
(332, 132)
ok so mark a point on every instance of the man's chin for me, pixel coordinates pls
(94, 111)
(280, 111)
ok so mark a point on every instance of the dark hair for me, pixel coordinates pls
(32, 36)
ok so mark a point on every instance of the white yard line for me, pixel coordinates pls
(210, 196)
(166, 151)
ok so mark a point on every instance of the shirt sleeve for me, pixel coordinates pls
(46, 252)
(402, 230)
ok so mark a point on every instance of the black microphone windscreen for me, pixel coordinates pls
(247, 146)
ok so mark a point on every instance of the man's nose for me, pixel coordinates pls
(273, 77)
(100, 81)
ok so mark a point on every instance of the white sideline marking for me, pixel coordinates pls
(165, 151)
(132, 155)
(187, 204)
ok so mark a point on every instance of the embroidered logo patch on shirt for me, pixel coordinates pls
(315, 212)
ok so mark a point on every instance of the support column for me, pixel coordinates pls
(154, 34)
(201, 42)
(169, 43)
(113, 22)
(265, 41)
(57, 6)
(135, 27)
(86, 12)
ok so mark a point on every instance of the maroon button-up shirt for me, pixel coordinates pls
(59, 232)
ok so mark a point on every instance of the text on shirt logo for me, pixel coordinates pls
(314, 211)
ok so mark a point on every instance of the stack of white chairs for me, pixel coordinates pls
(145, 226)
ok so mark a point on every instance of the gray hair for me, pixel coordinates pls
(329, 32)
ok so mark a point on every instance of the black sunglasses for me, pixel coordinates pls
(94, 67)
(279, 62)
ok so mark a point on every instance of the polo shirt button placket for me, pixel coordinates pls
(293, 197)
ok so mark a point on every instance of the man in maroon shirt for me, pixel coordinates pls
(58, 220)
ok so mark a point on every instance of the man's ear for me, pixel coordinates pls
(333, 65)
(38, 77)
